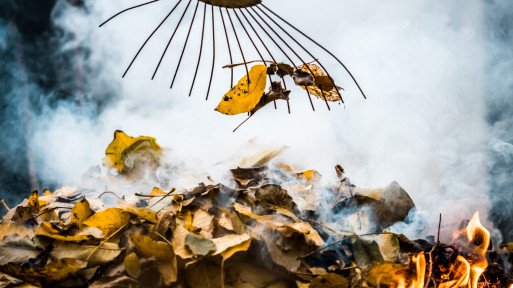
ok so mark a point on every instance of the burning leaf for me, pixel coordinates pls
(132, 265)
(244, 97)
(109, 220)
(124, 151)
(330, 280)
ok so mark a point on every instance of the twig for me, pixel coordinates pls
(109, 192)
(249, 62)
(5, 205)
(430, 272)
(165, 196)
(105, 240)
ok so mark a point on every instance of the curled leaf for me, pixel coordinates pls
(124, 151)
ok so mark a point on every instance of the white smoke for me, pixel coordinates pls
(421, 64)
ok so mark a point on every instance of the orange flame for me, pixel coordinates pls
(476, 231)
(461, 271)
(420, 261)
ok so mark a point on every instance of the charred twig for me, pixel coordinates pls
(430, 272)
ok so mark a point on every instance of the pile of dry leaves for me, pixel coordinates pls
(267, 227)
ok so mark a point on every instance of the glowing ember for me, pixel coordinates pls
(460, 274)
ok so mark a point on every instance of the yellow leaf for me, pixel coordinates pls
(109, 220)
(80, 212)
(47, 229)
(132, 265)
(33, 202)
(230, 244)
(241, 98)
(310, 175)
(157, 192)
(62, 268)
(119, 150)
(143, 212)
(149, 248)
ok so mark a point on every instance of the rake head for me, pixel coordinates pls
(265, 29)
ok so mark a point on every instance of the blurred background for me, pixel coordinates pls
(438, 76)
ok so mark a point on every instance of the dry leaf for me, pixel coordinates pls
(17, 249)
(149, 248)
(243, 97)
(330, 280)
(109, 220)
(322, 85)
(198, 245)
(80, 212)
(132, 265)
(124, 151)
(92, 254)
(10, 227)
(143, 212)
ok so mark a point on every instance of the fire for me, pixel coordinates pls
(463, 273)
(477, 232)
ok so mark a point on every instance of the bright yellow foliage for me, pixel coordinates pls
(122, 145)
(109, 220)
(80, 212)
(241, 98)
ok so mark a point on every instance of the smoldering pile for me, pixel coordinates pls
(267, 226)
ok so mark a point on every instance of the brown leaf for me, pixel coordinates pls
(10, 227)
(302, 78)
(56, 232)
(132, 265)
(204, 274)
(17, 249)
(228, 245)
(62, 268)
(115, 282)
(100, 255)
(324, 87)
(143, 212)
(276, 92)
(330, 280)
(149, 248)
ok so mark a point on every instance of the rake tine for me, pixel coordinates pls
(308, 93)
(322, 47)
(306, 50)
(238, 42)
(254, 45)
(171, 39)
(184, 45)
(201, 47)
(213, 54)
(128, 9)
(256, 33)
(228, 42)
(149, 37)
